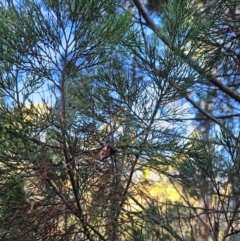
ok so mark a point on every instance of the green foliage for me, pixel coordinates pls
(13, 197)
(107, 154)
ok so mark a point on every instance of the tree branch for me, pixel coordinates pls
(210, 117)
(155, 218)
(206, 74)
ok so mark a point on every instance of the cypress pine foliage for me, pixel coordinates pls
(202, 38)
(107, 152)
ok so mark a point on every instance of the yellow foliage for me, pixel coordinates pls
(159, 187)
(35, 111)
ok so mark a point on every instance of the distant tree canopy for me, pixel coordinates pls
(119, 120)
